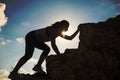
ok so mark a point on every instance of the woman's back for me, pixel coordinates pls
(41, 35)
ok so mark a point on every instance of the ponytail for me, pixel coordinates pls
(60, 24)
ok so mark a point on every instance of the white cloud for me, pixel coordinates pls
(27, 24)
(4, 75)
(22, 70)
(3, 42)
(20, 40)
(117, 13)
(119, 4)
(33, 60)
(3, 18)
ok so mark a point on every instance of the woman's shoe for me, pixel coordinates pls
(12, 75)
(38, 69)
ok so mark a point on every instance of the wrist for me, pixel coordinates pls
(77, 30)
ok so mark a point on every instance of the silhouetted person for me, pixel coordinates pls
(37, 39)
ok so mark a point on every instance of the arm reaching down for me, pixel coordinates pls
(53, 44)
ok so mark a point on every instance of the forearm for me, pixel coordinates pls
(72, 36)
(55, 48)
(76, 32)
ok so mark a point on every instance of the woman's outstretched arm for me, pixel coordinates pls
(70, 37)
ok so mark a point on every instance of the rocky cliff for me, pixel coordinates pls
(97, 56)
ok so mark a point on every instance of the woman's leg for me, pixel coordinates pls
(28, 54)
(43, 56)
(30, 44)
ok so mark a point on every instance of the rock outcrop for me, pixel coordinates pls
(97, 56)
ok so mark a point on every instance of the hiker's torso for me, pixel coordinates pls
(45, 34)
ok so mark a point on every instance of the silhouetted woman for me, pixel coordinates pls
(37, 39)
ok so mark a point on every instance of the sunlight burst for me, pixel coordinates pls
(63, 33)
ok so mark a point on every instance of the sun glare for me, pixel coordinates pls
(63, 33)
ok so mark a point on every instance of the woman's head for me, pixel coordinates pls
(64, 25)
(61, 25)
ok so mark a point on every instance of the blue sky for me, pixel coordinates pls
(26, 15)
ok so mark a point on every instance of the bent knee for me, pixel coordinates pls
(46, 51)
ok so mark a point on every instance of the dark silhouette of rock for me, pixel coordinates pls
(36, 76)
(97, 56)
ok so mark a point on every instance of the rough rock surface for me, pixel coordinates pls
(97, 56)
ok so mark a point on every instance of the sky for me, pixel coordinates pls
(18, 17)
